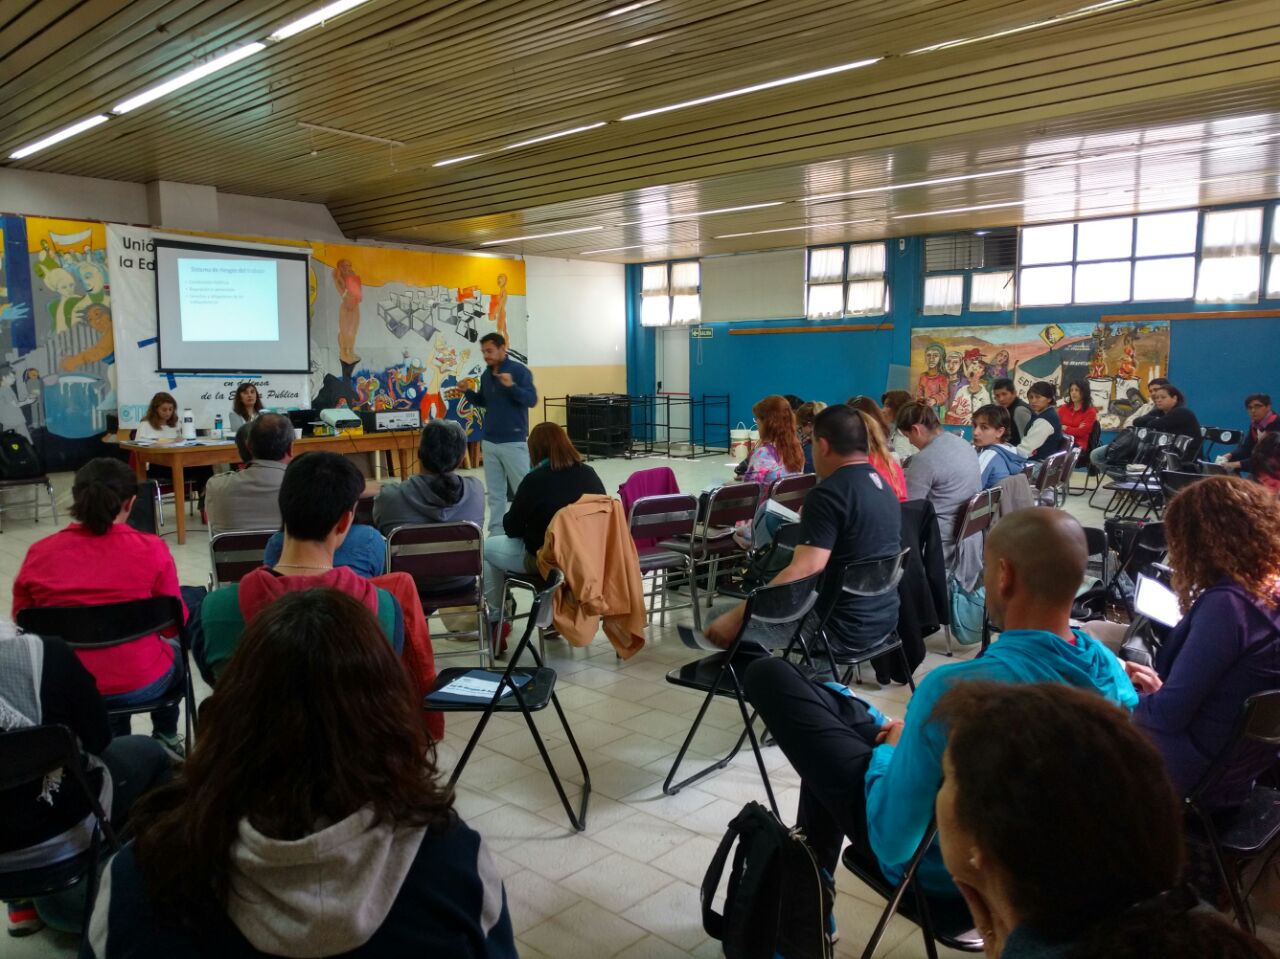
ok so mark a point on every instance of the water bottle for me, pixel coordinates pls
(217, 426)
(188, 424)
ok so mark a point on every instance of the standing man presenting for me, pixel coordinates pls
(507, 394)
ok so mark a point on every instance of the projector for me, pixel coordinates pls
(383, 420)
(342, 421)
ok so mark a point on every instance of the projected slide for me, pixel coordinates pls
(228, 300)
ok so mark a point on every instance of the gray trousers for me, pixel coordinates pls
(505, 464)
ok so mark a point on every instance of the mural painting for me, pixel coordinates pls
(954, 367)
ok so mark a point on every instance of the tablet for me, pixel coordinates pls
(1154, 600)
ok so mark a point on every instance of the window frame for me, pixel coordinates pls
(846, 281)
(668, 295)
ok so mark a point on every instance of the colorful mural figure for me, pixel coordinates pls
(1135, 351)
(351, 290)
(498, 306)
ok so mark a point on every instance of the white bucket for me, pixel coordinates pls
(740, 442)
(1100, 391)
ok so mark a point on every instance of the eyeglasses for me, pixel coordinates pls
(1256, 406)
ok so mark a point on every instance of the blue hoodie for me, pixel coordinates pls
(902, 781)
(998, 462)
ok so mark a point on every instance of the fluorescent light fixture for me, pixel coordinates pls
(66, 133)
(793, 229)
(539, 236)
(916, 183)
(315, 18)
(191, 76)
(755, 88)
(641, 42)
(1049, 21)
(961, 209)
(693, 216)
(618, 11)
(618, 249)
(461, 159)
(551, 136)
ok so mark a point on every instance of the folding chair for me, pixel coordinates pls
(662, 518)
(1062, 488)
(525, 698)
(943, 919)
(27, 756)
(1212, 436)
(1095, 439)
(1252, 831)
(1049, 478)
(713, 540)
(364, 509)
(772, 616)
(1145, 489)
(869, 578)
(33, 483)
(1145, 438)
(979, 514)
(1136, 478)
(790, 491)
(234, 555)
(114, 624)
(446, 561)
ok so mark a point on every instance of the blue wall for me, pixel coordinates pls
(1215, 362)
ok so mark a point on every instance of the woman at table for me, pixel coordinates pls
(160, 422)
(245, 407)
(100, 559)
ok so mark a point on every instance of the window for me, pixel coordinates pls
(670, 294)
(846, 280)
(1048, 244)
(1230, 260)
(1045, 286)
(1103, 282)
(943, 295)
(991, 292)
(1273, 278)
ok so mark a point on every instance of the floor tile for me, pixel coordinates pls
(531, 898)
(583, 931)
(557, 856)
(617, 882)
(674, 913)
(644, 837)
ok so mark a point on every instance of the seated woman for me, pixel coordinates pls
(1043, 435)
(47, 685)
(160, 425)
(101, 559)
(246, 406)
(1224, 546)
(1077, 414)
(878, 451)
(1266, 462)
(778, 453)
(1063, 832)
(890, 403)
(944, 471)
(805, 416)
(285, 833)
(997, 460)
(1171, 415)
(437, 494)
(558, 478)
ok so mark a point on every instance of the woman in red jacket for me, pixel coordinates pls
(1077, 413)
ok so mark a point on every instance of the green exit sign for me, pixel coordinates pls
(700, 333)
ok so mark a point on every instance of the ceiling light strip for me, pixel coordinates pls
(189, 77)
(553, 136)
(792, 229)
(540, 236)
(756, 88)
(461, 159)
(1048, 22)
(66, 133)
(961, 209)
(315, 18)
(680, 217)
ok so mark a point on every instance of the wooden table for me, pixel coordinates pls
(403, 442)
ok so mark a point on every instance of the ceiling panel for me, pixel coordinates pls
(1111, 107)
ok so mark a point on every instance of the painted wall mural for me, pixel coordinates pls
(954, 367)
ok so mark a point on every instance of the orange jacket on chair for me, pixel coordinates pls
(589, 542)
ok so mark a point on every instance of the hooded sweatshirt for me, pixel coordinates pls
(902, 781)
(355, 888)
(226, 612)
(429, 498)
(999, 461)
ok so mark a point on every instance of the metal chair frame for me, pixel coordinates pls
(1212, 436)
(34, 483)
(726, 665)
(468, 539)
(663, 517)
(236, 546)
(790, 491)
(527, 700)
(979, 515)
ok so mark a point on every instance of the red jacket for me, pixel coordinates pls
(1077, 424)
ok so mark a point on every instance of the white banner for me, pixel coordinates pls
(133, 290)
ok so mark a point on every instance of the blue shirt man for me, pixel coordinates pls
(507, 394)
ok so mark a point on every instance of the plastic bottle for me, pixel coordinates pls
(217, 426)
(188, 424)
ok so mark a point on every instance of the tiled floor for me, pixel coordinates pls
(628, 885)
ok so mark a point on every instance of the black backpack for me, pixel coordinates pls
(765, 562)
(18, 459)
(778, 898)
(1123, 449)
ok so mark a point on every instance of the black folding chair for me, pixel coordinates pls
(1252, 831)
(1146, 438)
(712, 540)
(790, 491)
(1212, 436)
(35, 484)
(868, 579)
(528, 689)
(446, 561)
(234, 555)
(114, 624)
(943, 919)
(662, 518)
(27, 756)
(1095, 439)
(772, 616)
(979, 515)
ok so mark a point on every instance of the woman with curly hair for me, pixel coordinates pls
(1224, 547)
(779, 452)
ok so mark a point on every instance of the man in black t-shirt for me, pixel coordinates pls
(851, 515)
